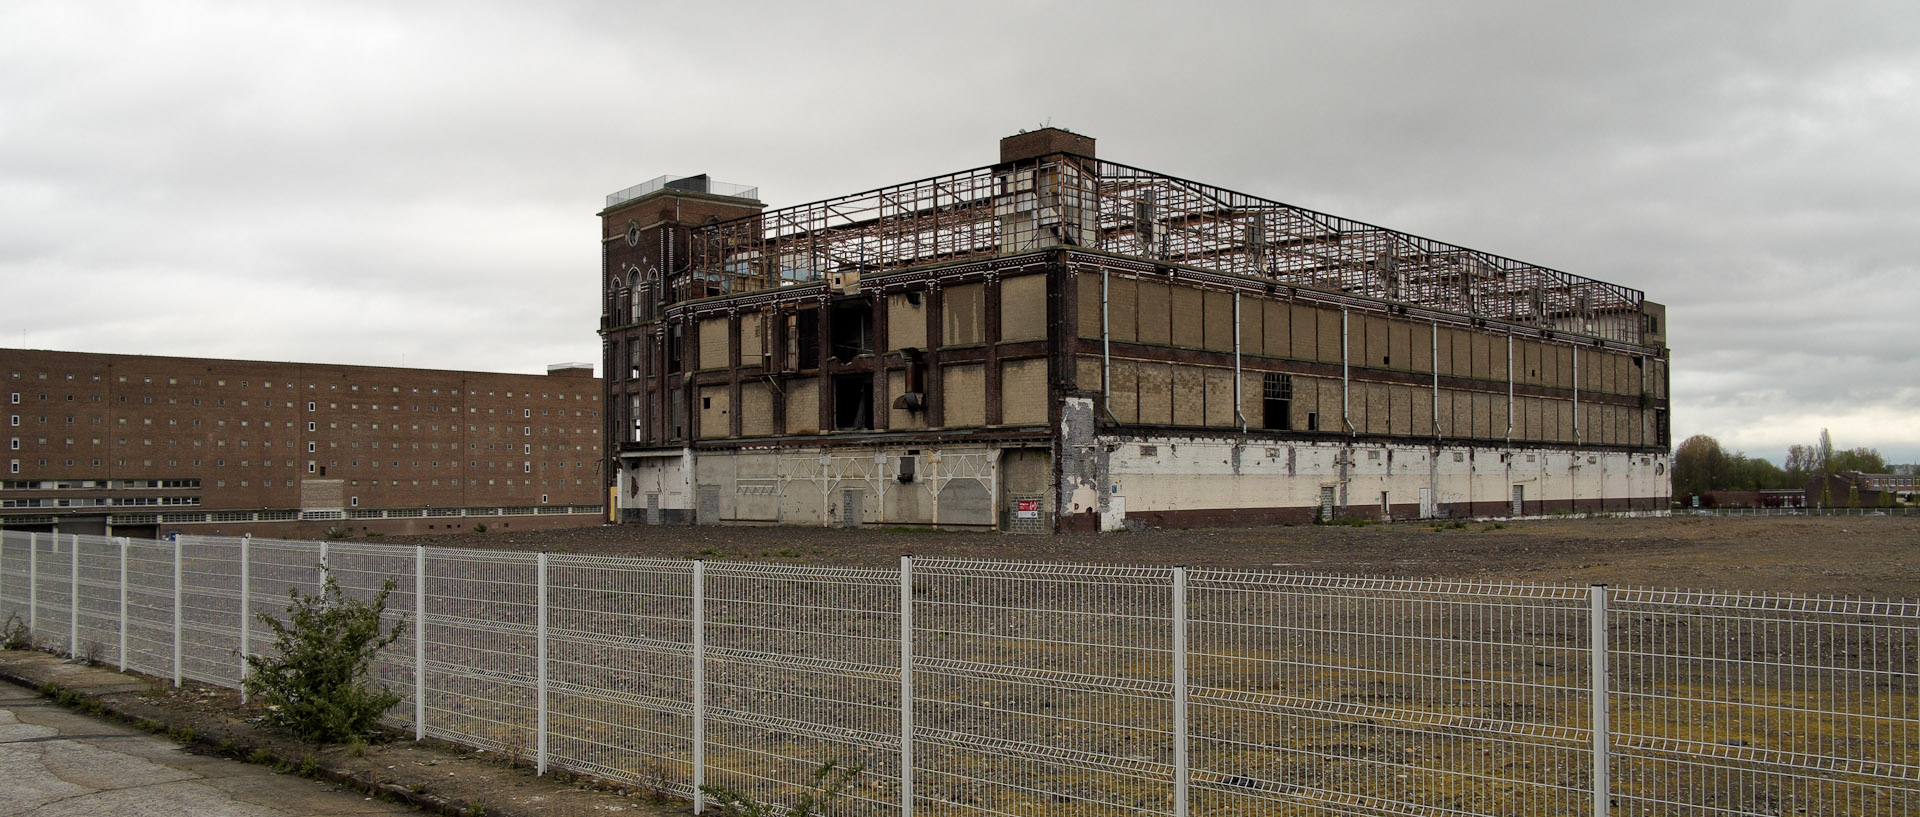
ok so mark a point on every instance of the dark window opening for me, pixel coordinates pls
(676, 415)
(1313, 421)
(852, 402)
(1278, 402)
(673, 347)
(851, 329)
(806, 339)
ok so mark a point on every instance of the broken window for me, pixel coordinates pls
(673, 347)
(1278, 402)
(803, 340)
(850, 327)
(852, 402)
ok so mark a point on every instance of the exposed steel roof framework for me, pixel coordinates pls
(1070, 201)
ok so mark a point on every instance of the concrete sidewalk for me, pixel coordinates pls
(55, 762)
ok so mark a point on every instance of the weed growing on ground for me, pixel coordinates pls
(825, 784)
(261, 757)
(15, 635)
(654, 782)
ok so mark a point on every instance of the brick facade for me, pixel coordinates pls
(132, 434)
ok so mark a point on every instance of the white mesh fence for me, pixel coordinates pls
(1059, 689)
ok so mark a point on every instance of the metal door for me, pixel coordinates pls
(653, 509)
(1326, 502)
(1519, 499)
(709, 511)
(1426, 503)
(851, 502)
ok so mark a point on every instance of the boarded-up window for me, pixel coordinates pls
(803, 406)
(1023, 392)
(713, 343)
(963, 390)
(1023, 308)
(965, 315)
(752, 339)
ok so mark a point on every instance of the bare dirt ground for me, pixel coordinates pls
(1870, 557)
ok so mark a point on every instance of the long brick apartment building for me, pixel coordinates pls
(147, 445)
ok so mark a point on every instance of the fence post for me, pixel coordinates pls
(699, 624)
(33, 585)
(73, 601)
(1602, 737)
(906, 686)
(1182, 775)
(246, 609)
(540, 658)
(323, 563)
(179, 567)
(123, 603)
(419, 642)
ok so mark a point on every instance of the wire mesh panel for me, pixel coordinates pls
(482, 648)
(150, 607)
(15, 576)
(803, 669)
(1317, 695)
(53, 592)
(210, 610)
(1746, 704)
(1042, 689)
(363, 570)
(99, 606)
(619, 649)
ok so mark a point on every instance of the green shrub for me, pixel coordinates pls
(316, 683)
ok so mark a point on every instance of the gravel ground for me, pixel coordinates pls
(1874, 557)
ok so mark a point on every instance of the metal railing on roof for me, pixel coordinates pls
(692, 184)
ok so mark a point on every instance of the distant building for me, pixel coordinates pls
(1853, 489)
(1058, 342)
(140, 445)
(1766, 498)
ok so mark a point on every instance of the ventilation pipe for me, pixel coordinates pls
(1509, 388)
(1346, 401)
(1238, 400)
(1433, 357)
(1106, 349)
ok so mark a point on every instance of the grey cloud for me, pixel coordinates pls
(354, 182)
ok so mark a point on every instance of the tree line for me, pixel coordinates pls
(1700, 464)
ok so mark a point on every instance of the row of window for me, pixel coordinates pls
(526, 413)
(101, 501)
(95, 484)
(268, 384)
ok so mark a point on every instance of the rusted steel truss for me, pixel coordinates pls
(1078, 202)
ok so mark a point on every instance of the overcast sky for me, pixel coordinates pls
(415, 183)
